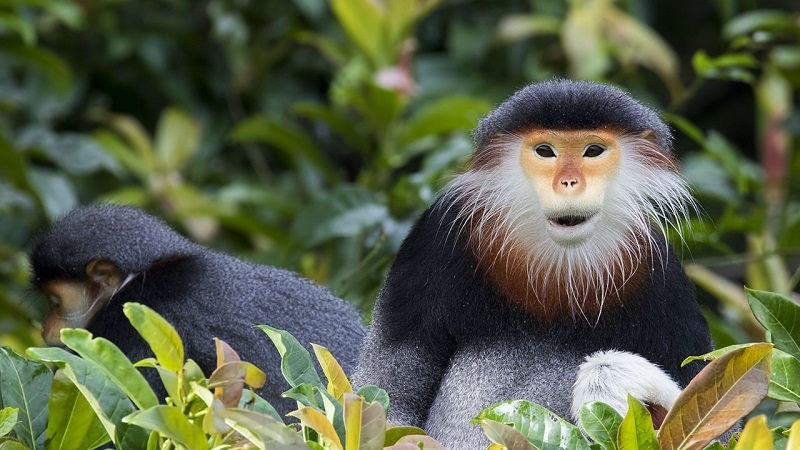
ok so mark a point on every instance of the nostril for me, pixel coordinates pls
(569, 183)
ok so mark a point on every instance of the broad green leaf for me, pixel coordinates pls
(712, 355)
(72, 423)
(346, 211)
(8, 418)
(339, 123)
(601, 423)
(55, 190)
(116, 366)
(756, 435)
(177, 139)
(253, 402)
(338, 384)
(123, 153)
(759, 20)
(25, 385)
(162, 338)
(212, 422)
(780, 316)
(784, 382)
(15, 22)
(394, 434)
(419, 442)
(446, 115)
(288, 138)
(317, 421)
(135, 136)
(505, 435)
(106, 398)
(259, 427)
(363, 21)
(56, 70)
(296, 364)
(13, 445)
(171, 423)
(540, 427)
(636, 429)
(372, 394)
(12, 165)
(726, 390)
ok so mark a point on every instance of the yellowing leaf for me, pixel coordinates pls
(794, 437)
(338, 384)
(721, 394)
(756, 435)
(317, 421)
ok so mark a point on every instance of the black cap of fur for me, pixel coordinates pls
(570, 105)
(128, 237)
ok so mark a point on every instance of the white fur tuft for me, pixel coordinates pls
(609, 376)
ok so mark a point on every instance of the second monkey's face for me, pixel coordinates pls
(571, 171)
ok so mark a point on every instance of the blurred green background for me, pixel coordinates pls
(309, 134)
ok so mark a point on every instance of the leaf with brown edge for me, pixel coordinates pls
(229, 379)
(756, 435)
(338, 384)
(722, 393)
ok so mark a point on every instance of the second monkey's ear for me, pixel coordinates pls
(104, 272)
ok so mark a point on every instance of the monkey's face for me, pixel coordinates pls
(571, 172)
(73, 303)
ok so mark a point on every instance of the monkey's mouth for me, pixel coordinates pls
(570, 220)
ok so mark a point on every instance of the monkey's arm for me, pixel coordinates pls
(408, 346)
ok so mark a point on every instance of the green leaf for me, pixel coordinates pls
(73, 424)
(55, 70)
(363, 21)
(285, 137)
(712, 355)
(116, 366)
(601, 423)
(784, 382)
(727, 389)
(25, 385)
(346, 211)
(170, 422)
(162, 338)
(758, 20)
(448, 114)
(13, 445)
(540, 427)
(372, 393)
(113, 145)
(259, 427)
(252, 401)
(395, 433)
(108, 400)
(505, 435)
(636, 429)
(780, 316)
(177, 139)
(8, 418)
(296, 364)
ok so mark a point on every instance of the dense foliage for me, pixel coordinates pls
(309, 134)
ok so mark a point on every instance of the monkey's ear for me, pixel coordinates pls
(648, 135)
(104, 272)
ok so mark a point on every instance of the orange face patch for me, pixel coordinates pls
(568, 163)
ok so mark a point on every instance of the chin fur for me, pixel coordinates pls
(507, 226)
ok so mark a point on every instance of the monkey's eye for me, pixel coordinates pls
(53, 300)
(545, 151)
(593, 151)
